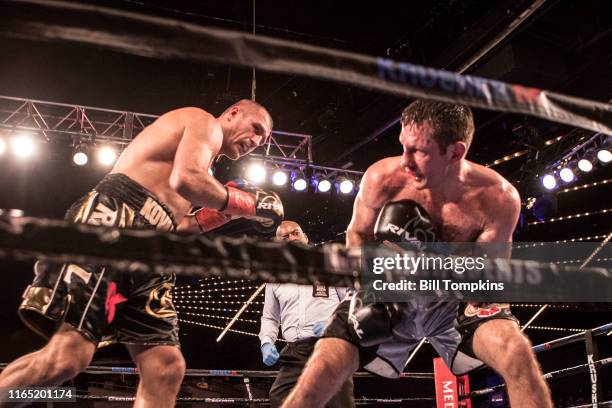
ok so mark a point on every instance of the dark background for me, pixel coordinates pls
(565, 46)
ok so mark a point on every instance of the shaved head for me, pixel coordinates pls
(291, 231)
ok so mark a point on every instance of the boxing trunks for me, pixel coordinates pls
(100, 301)
(449, 326)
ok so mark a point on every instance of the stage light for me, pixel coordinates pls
(79, 155)
(324, 186)
(549, 182)
(256, 173)
(298, 181)
(585, 165)
(23, 146)
(567, 175)
(321, 183)
(345, 186)
(2, 146)
(107, 155)
(279, 178)
(604, 155)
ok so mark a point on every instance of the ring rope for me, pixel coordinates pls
(166, 38)
(553, 375)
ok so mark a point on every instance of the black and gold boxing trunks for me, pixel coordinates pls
(100, 301)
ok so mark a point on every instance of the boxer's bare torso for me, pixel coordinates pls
(481, 204)
(149, 159)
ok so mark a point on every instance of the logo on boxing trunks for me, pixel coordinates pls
(73, 269)
(102, 215)
(487, 310)
(113, 298)
(156, 215)
(159, 303)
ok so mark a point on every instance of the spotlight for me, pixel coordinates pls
(549, 182)
(79, 155)
(279, 178)
(345, 186)
(2, 146)
(320, 183)
(298, 181)
(23, 146)
(324, 186)
(567, 175)
(604, 155)
(107, 155)
(585, 165)
(256, 173)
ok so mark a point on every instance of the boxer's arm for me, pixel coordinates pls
(270, 317)
(200, 141)
(368, 204)
(189, 224)
(502, 215)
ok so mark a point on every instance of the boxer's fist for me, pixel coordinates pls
(251, 202)
(209, 219)
(405, 221)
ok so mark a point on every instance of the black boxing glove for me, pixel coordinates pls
(373, 323)
(405, 221)
(251, 202)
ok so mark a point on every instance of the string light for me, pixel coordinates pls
(555, 329)
(579, 239)
(233, 302)
(220, 317)
(211, 326)
(568, 217)
(507, 158)
(536, 305)
(221, 309)
(571, 261)
(583, 186)
(521, 153)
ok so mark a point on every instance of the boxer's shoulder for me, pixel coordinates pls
(385, 174)
(490, 184)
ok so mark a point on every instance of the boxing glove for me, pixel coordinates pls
(253, 203)
(405, 221)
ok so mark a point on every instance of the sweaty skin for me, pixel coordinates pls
(171, 157)
(470, 203)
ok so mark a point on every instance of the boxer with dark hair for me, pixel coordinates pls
(437, 195)
(159, 177)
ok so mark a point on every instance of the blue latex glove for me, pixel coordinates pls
(318, 328)
(269, 353)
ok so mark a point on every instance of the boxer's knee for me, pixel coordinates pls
(161, 368)
(65, 356)
(501, 345)
(516, 357)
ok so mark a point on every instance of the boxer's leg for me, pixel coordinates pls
(333, 362)
(66, 354)
(500, 344)
(161, 372)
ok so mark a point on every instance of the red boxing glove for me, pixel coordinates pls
(255, 204)
(240, 202)
(209, 219)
